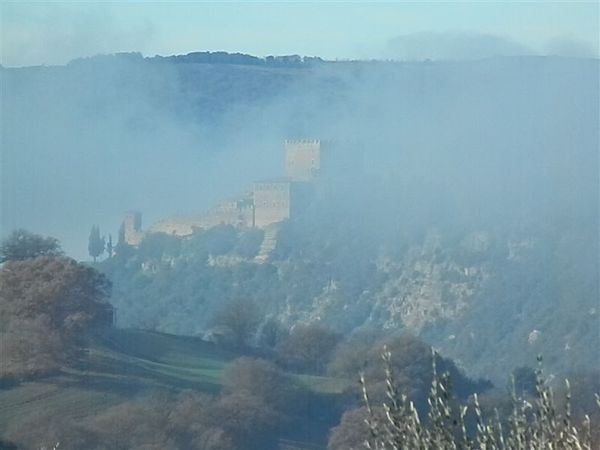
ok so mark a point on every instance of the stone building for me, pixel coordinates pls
(279, 199)
(302, 159)
(131, 228)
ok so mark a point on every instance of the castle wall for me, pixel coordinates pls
(236, 212)
(271, 202)
(174, 226)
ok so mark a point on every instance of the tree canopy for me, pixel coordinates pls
(242, 318)
(22, 244)
(96, 243)
(48, 305)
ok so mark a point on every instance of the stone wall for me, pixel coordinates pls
(237, 212)
(132, 228)
(271, 201)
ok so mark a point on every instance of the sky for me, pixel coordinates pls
(35, 33)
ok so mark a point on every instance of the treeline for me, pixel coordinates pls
(242, 59)
(477, 295)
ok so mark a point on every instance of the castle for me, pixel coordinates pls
(270, 202)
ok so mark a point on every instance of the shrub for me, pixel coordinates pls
(156, 422)
(262, 379)
(308, 348)
(241, 317)
(411, 361)
(22, 245)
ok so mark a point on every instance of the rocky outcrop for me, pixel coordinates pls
(423, 289)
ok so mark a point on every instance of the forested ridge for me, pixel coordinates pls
(474, 295)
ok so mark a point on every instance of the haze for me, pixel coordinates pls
(55, 32)
(316, 182)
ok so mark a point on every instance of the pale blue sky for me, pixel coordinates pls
(56, 32)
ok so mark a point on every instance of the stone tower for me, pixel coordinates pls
(132, 228)
(302, 159)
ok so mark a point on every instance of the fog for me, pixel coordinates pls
(461, 46)
(453, 45)
(496, 139)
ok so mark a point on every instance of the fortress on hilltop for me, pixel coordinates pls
(270, 202)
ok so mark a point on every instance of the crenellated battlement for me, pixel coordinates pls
(302, 141)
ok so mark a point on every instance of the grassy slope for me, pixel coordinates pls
(122, 365)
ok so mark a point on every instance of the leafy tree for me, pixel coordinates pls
(22, 244)
(220, 240)
(121, 235)
(246, 416)
(350, 433)
(412, 362)
(109, 246)
(96, 243)
(308, 347)
(249, 242)
(270, 333)
(155, 421)
(47, 307)
(30, 347)
(262, 379)
(157, 245)
(242, 318)
(354, 353)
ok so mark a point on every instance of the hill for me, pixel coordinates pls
(474, 227)
(492, 300)
(118, 367)
(128, 364)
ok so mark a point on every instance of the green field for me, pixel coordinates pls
(122, 365)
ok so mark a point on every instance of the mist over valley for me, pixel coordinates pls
(263, 228)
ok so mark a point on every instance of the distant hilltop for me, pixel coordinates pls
(271, 201)
(241, 59)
